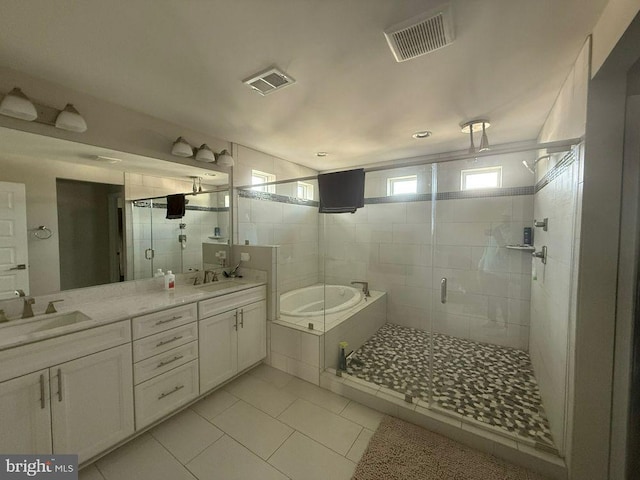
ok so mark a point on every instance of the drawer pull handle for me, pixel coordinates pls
(42, 391)
(59, 385)
(160, 322)
(236, 324)
(171, 340)
(242, 318)
(166, 394)
(167, 362)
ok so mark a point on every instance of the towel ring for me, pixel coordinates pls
(42, 233)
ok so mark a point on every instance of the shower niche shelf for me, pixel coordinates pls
(524, 248)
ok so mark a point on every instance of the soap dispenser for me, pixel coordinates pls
(170, 281)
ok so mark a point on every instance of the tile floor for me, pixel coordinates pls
(488, 383)
(264, 425)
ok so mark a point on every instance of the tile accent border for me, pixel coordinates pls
(274, 197)
(144, 204)
(557, 170)
(418, 197)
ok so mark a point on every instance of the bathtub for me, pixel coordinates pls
(314, 320)
(319, 300)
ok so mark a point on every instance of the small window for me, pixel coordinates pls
(490, 177)
(258, 177)
(305, 191)
(402, 185)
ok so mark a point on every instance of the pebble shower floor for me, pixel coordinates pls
(489, 383)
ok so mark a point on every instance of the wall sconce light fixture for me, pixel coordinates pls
(17, 105)
(182, 148)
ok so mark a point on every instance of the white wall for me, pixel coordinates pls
(390, 246)
(554, 290)
(294, 228)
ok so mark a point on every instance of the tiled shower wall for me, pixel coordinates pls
(390, 246)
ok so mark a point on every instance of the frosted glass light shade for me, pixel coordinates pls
(225, 159)
(70, 119)
(205, 154)
(181, 148)
(17, 105)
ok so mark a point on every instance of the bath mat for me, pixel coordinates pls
(402, 451)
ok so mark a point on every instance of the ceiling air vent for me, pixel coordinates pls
(421, 34)
(269, 81)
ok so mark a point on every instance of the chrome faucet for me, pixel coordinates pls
(234, 272)
(365, 287)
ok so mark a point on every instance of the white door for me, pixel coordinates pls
(252, 334)
(217, 349)
(25, 415)
(13, 239)
(92, 402)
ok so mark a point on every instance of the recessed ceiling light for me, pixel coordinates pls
(321, 154)
(210, 174)
(422, 134)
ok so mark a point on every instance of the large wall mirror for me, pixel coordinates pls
(75, 215)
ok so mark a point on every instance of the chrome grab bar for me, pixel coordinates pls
(443, 290)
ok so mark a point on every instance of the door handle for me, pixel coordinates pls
(42, 390)
(59, 385)
(22, 266)
(443, 290)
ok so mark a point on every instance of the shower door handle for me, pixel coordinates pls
(443, 290)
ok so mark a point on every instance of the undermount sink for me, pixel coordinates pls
(40, 323)
(215, 286)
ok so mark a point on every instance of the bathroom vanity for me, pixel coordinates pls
(86, 380)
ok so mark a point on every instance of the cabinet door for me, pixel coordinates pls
(252, 334)
(25, 414)
(92, 402)
(218, 349)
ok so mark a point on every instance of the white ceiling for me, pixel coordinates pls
(184, 61)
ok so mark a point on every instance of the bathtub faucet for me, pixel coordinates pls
(365, 287)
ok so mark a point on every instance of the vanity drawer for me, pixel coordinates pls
(154, 366)
(162, 395)
(224, 303)
(164, 341)
(146, 325)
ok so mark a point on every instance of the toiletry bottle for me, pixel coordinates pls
(342, 360)
(170, 281)
(159, 273)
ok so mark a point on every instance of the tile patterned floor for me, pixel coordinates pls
(265, 425)
(488, 383)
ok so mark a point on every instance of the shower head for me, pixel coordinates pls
(526, 165)
(533, 168)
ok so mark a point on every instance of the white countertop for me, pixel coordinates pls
(113, 309)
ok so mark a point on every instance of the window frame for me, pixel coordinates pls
(465, 173)
(391, 181)
(268, 178)
(307, 190)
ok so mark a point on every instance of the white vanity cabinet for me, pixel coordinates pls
(25, 414)
(78, 403)
(232, 335)
(92, 402)
(165, 355)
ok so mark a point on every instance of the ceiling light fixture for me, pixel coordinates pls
(475, 126)
(422, 134)
(205, 154)
(321, 154)
(181, 148)
(17, 105)
(225, 159)
(70, 119)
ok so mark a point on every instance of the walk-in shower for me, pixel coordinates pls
(474, 326)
